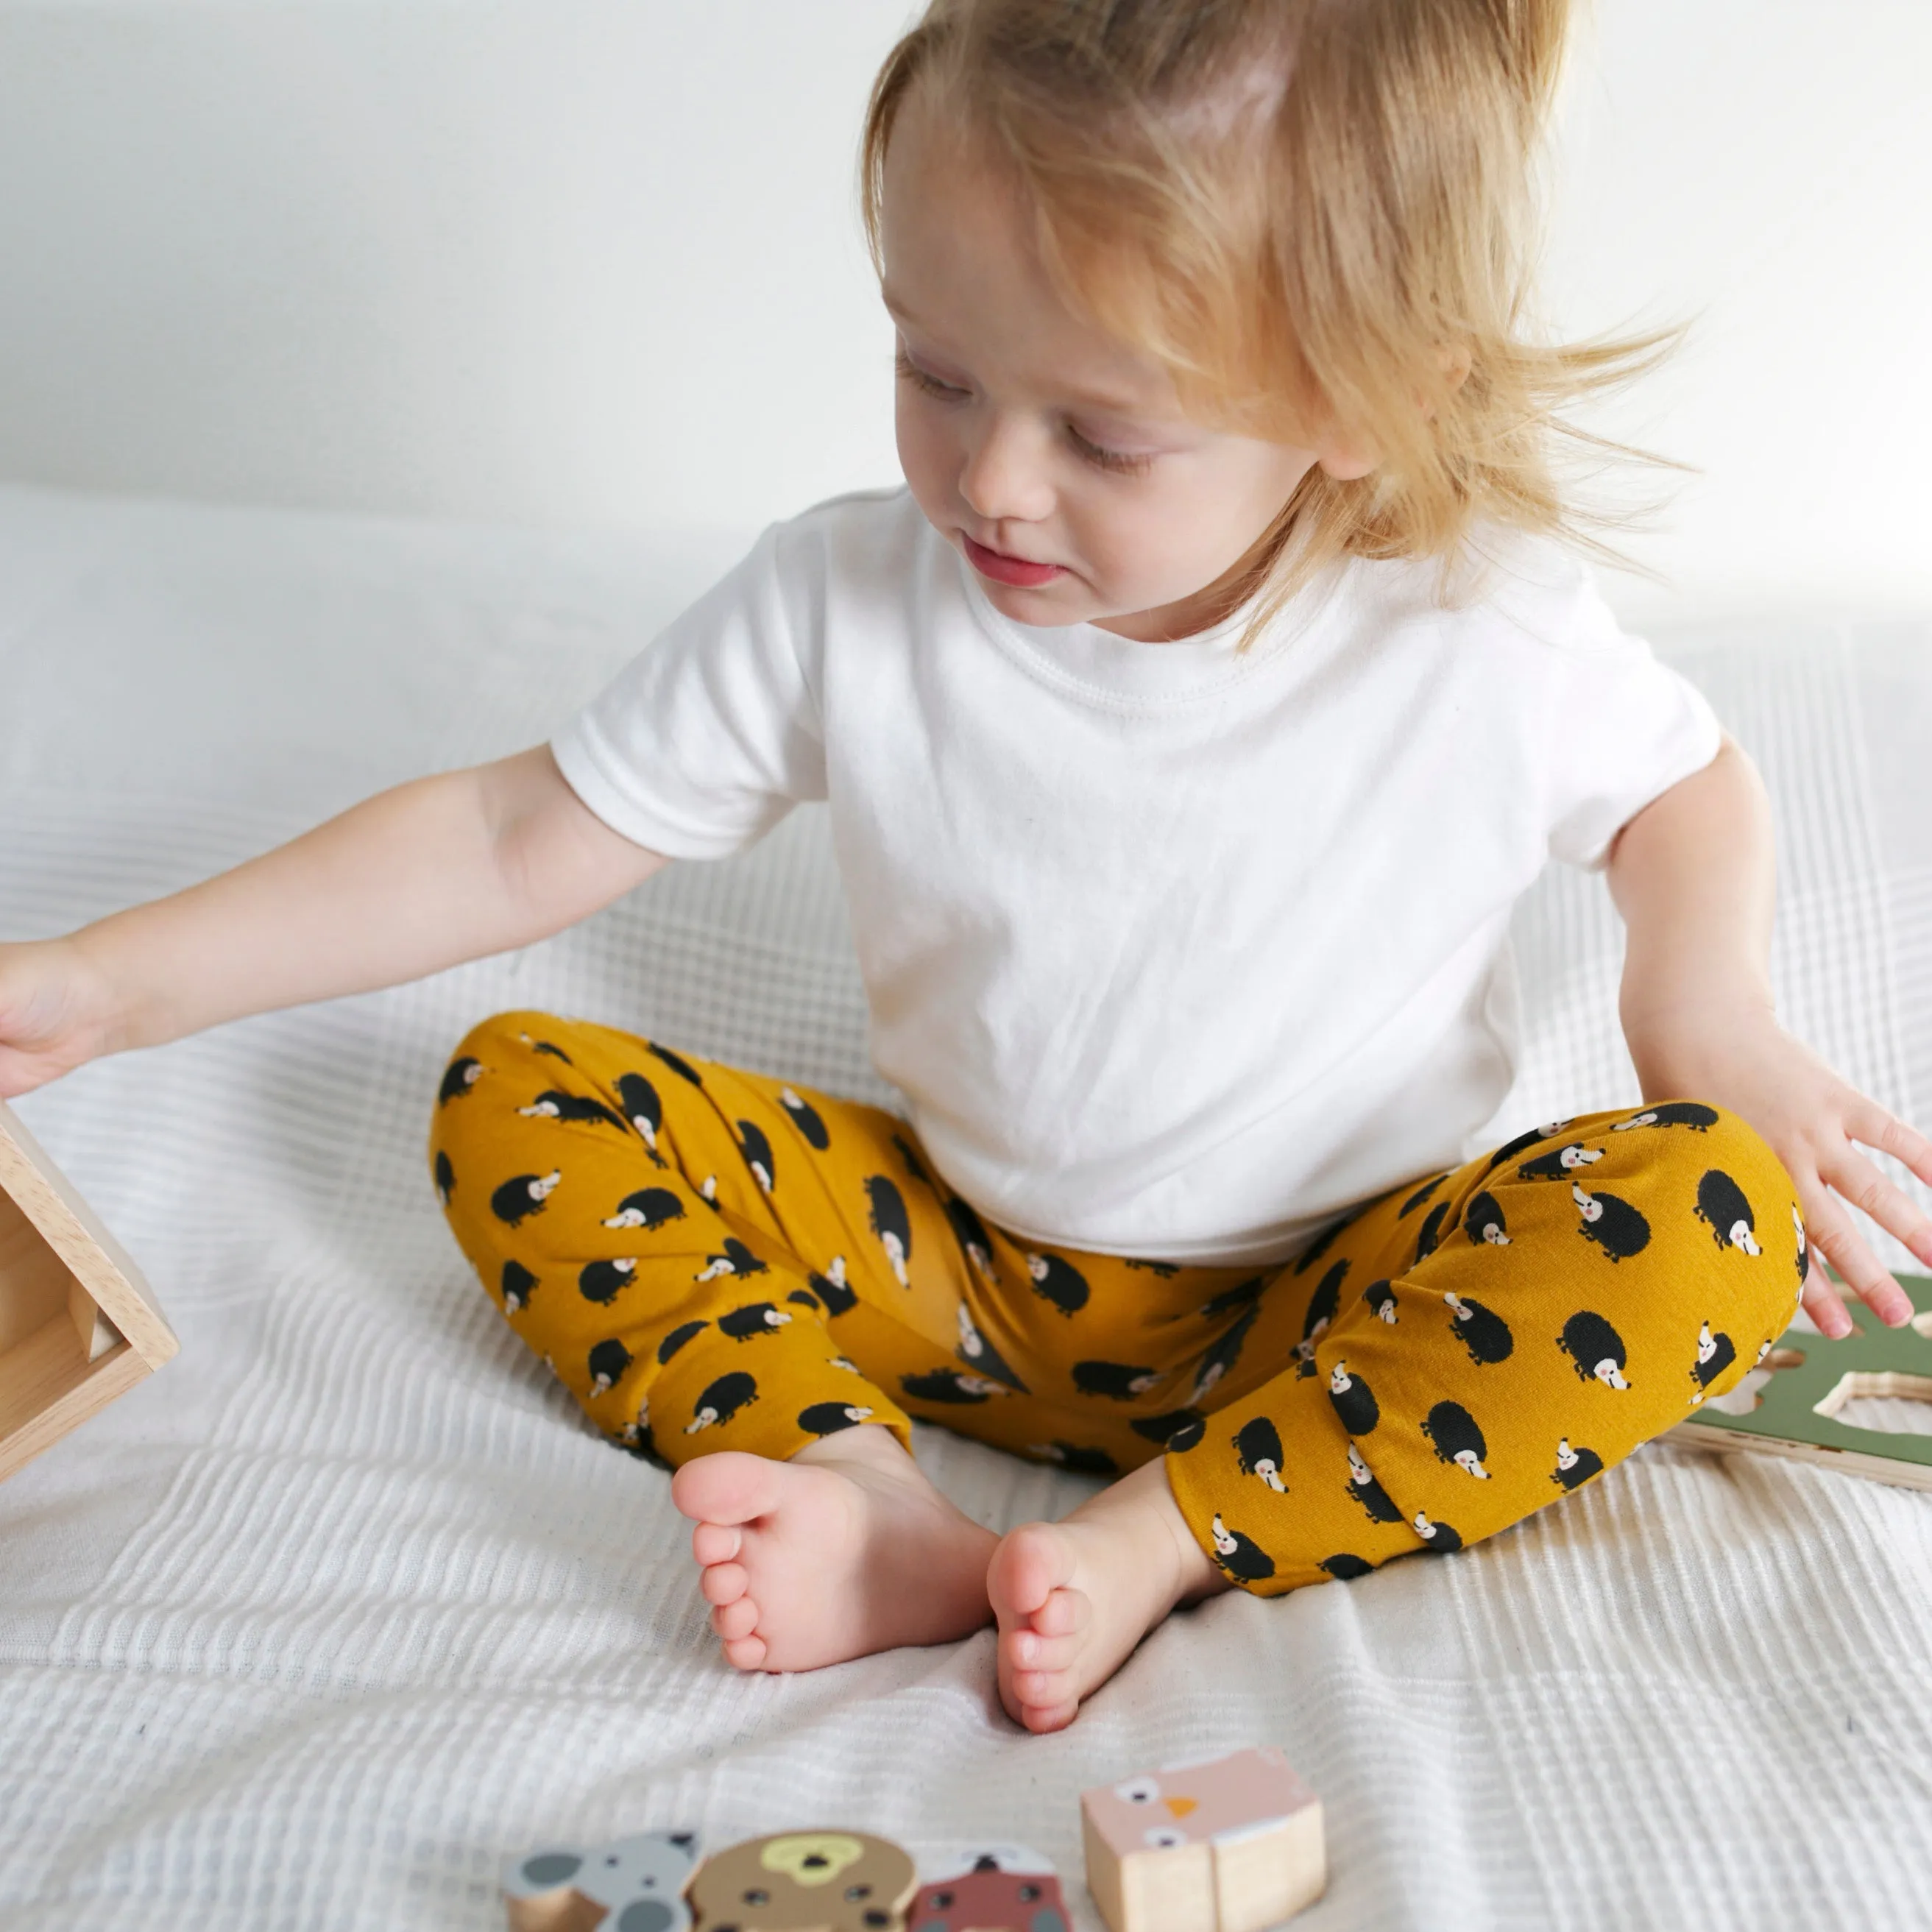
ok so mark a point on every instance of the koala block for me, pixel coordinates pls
(1231, 1846)
(805, 1882)
(999, 1888)
(634, 1885)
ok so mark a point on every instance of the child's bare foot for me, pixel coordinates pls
(845, 1549)
(1073, 1598)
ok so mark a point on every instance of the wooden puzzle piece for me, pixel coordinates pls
(1793, 1409)
(632, 1884)
(805, 1882)
(1234, 1845)
(991, 1888)
(78, 1324)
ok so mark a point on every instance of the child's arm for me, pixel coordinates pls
(437, 872)
(1694, 877)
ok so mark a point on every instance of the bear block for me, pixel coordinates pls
(997, 1889)
(805, 1882)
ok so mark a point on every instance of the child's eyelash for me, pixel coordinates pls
(1116, 460)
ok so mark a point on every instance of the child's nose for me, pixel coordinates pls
(1005, 472)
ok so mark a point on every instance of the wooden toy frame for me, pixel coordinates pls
(1813, 1378)
(78, 1324)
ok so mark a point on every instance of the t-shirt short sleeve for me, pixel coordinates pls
(1622, 728)
(711, 734)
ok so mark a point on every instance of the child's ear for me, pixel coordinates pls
(1347, 461)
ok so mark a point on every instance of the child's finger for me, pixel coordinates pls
(1892, 1208)
(1833, 1236)
(1869, 1122)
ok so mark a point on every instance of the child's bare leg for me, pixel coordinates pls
(845, 1549)
(1073, 1598)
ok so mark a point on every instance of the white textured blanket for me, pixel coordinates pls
(312, 1626)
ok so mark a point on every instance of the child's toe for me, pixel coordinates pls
(1030, 1564)
(1033, 1653)
(733, 1621)
(724, 1583)
(1065, 1613)
(715, 1542)
(745, 1653)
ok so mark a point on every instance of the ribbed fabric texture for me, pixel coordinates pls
(310, 1628)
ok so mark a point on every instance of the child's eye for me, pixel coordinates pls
(923, 378)
(1118, 460)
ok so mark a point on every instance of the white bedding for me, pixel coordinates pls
(312, 1626)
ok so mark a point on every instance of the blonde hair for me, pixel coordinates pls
(1320, 216)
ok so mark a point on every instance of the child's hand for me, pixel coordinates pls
(57, 1010)
(1815, 1123)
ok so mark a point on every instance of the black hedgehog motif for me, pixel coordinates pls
(1715, 1353)
(1370, 1493)
(755, 1318)
(909, 1154)
(1056, 1279)
(1189, 1435)
(756, 1147)
(737, 1259)
(1618, 1230)
(554, 1105)
(601, 1282)
(610, 1362)
(1595, 1348)
(1379, 1297)
(1575, 1467)
(970, 1232)
(1722, 1207)
(519, 1285)
(1345, 1568)
(643, 1110)
(1242, 1294)
(1321, 1243)
(977, 1353)
(545, 1046)
(1438, 1538)
(806, 1118)
(803, 1297)
(457, 1079)
(685, 1331)
(722, 1400)
(1323, 1304)
(1691, 1114)
(523, 1196)
(831, 1288)
(1430, 1232)
(649, 1208)
(1560, 1164)
(1421, 1195)
(1355, 1401)
(1244, 1561)
(1154, 1267)
(446, 1177)
(1804, 1248)
(1511, 1149)
(1481, 1331)
(1118, 1381)
(948, 1385)
(1452, 1434)
(890, 1223)
(828, 1418)
(678, 1064)
(1163, 1429)
(1257, 1449)
(1222, 1356)
(1483, 1222)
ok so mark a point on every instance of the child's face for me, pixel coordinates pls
(1024, 431)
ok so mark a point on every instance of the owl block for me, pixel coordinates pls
(634, 1884)
(805, 1882)
(1231, 1846)
(1002, 1888)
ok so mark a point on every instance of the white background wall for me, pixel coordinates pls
(575, 261)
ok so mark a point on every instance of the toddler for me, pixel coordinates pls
(1189, 724)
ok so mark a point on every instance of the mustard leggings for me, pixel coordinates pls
(709, 1259)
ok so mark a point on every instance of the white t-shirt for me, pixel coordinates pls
(1174, 952)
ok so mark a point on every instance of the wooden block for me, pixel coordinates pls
(632, 1884)
(993, 1888)
(78, 1324)
(805, 1882)
(1235, 1845)
(1792, 1409)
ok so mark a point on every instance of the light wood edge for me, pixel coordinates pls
(1847, 1461)
(113, 1374)
(72, 1230)
(97, 1334)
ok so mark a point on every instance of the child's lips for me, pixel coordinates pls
(1003, 569)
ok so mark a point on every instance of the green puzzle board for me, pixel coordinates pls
(1786, 1421)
